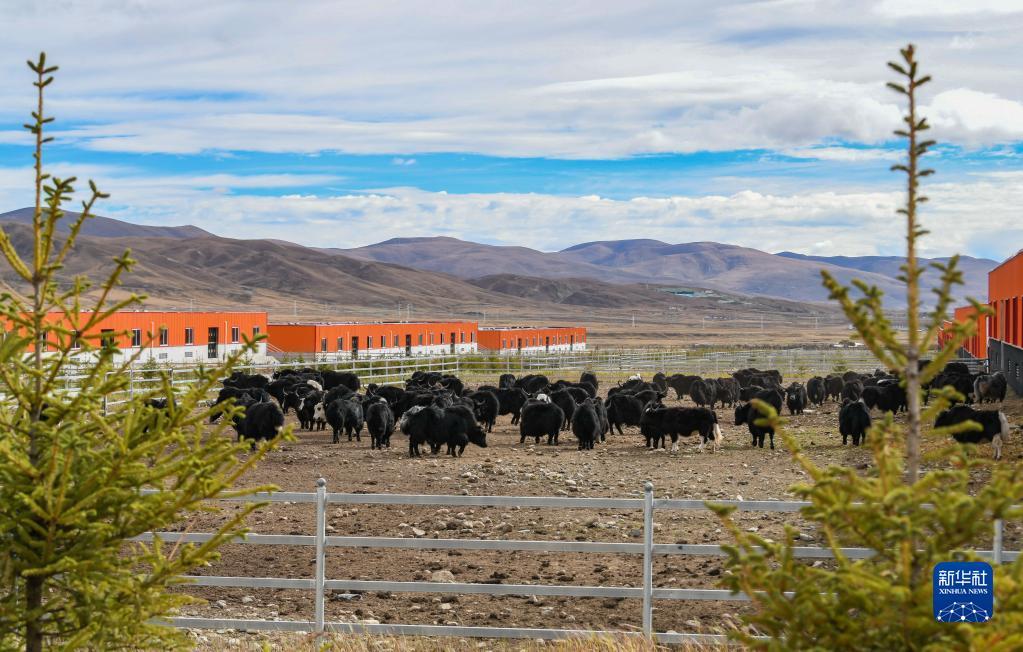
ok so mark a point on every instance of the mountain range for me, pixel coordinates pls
(177, 262)
(722, 267)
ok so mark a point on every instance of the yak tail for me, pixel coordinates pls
(718, 437)
(1005, 426)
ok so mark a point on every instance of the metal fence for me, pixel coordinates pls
(647, 592)
(1008, 359)
(610, 364)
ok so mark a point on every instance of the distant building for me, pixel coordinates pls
(339, 340)
(976, 346)
(166, 336)
(528, 339)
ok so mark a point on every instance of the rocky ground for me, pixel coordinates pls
(617, 468)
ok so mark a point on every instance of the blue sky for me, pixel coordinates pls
(761, 123)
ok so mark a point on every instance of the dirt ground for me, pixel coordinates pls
(617, 468)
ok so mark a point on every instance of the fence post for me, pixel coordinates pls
(648, 558)
(321, 536)
(996, 551)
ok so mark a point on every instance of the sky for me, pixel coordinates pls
(763, 123)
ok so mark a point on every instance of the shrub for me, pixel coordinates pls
(72, 476)
(907, 521)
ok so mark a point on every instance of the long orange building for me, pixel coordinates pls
(528, 339)
(1005, 331)
(166, 336)
(332, 340)
(976, 346)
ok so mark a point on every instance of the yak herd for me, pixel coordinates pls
(440, 411)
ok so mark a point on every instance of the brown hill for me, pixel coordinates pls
(469, 259)
(106, 227)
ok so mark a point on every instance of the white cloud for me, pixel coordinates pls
(849, 223)
(603, 80)
(850, 154)
(972, 117)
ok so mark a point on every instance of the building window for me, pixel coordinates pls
(340, 344)
(76, 340)
(463, 337)
(383, 341)
(234, 334)
(369, 341)
(472, 337)
(442, 338)
(504, 344)
(163, 336)
(107, 339)
(255, 331)
(323, 345)
(189, 336)
(431, 338)
(136, 337)
(420, 339)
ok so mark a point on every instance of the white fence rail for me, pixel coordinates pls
(320, 584)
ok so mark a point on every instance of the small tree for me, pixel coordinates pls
(908, 522)
(72, 473)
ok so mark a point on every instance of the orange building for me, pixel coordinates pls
(1005, 289)
(1005, 330)
(351, 340)
(527, 339)
(166, 336)
(976, 346)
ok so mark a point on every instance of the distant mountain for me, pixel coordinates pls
(106, 227)
(723, 267)
(616, 273)
(471, 260)
(974, 270)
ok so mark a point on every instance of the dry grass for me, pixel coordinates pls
(273, 642)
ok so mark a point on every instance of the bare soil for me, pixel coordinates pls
(617, 468)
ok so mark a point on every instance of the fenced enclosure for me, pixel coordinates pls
(319, 540)
(646, 551)
(610, 365)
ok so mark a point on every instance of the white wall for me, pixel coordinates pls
(532, 350)
(395, 352)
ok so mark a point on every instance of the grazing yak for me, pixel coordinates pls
(347, 415)
(262, 421)
(511, 401)
(816, 391)
(747, 414)
(681, 383)
(623, 410)
(454, 426)
(853, 421)
(590, 378)
(852, 390)
(486, 406)
(833, 387)
(540, 418)
(586, 425)
(703, 392)
(658, 422)
(993, 426)
(379, 422)
(795, 398)
(990, 388)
